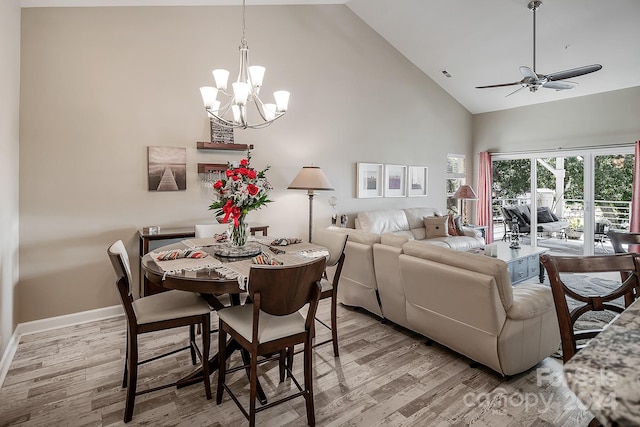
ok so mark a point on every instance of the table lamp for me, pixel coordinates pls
(310, 178)
(465, 192)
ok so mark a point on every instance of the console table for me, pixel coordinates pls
(164, 236)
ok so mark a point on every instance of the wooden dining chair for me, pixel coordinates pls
(210, 230)
(620, 239)
(555, 265)
(335, 243)
(271, 324)
(157, 312)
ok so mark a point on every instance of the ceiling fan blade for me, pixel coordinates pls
(516, 91)
(528, 72)
(560, 85)
(574, 72)
(499, 85)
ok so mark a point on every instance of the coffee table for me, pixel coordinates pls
(523, 263)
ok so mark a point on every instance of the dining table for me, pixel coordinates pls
(604, 375)
(219, 269)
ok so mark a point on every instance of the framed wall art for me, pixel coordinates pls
(395, 181)
(167, 168)
(220, 134)
(418, 181)
(370, 176)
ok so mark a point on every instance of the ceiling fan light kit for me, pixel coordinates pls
(533, 81)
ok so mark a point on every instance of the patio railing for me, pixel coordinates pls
(616, 213)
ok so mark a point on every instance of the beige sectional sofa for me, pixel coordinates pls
(465, 301)
(462, 300)
(358, 285)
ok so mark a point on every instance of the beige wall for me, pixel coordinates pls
(607, 118)
(9, 161)
(99, 85)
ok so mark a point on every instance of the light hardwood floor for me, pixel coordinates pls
(385, 375)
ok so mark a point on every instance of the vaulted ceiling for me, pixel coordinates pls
(482, 42)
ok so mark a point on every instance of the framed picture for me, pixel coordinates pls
(220, 134)
(395, 181)
(369, 180)
(418, 181)
(167, 168)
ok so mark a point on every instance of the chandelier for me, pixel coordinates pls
(244, 92)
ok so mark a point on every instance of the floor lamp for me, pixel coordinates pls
(310, 178)
(464, 193)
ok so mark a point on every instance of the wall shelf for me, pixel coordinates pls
(221, 146)
(211, 167)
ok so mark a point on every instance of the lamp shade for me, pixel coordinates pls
(465, 192)
(310, 178)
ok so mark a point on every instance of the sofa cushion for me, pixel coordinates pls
(457, 220)
(419, 233)
(451, 226)
(473, 262)
(383, 221)
(544, 215)
(436, 226)
(415, 215)
(457, 243)
(524, 213)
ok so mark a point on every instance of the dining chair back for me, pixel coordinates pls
(621, 238)
(271, 324)
(335, 244)
(210, 230)
(157, 312)
(585, 302)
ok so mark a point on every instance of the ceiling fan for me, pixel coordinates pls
(533, 80)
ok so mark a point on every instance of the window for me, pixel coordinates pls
(456, 176)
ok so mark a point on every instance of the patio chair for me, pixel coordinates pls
(632, 241)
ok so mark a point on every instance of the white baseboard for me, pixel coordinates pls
(52, 323)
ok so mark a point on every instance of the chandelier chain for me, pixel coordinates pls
(244, 40)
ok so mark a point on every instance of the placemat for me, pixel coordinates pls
(240, 269)
(201, 242)
(179, 265)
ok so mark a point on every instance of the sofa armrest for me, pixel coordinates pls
(471, 232)
(530, 300)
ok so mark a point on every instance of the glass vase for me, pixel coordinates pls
(239, 234)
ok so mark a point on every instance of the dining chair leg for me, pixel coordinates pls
(290, 353)
(334, 324)
(308, 383)
(282, 360)
(222, 362)
(126, 361)
(253, 386)
(132, 376)
(206, 343)
(192, 340)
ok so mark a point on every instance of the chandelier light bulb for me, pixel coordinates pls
(235, 109)
(221, 77)
(256, 74)
(241, 92)
(282, 100)
(209, 95)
